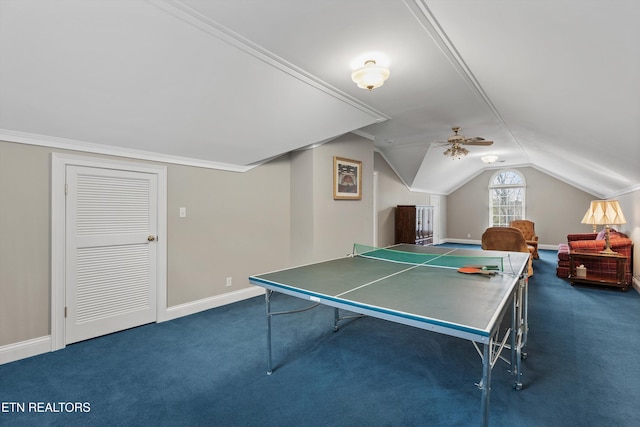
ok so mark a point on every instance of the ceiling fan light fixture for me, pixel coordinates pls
(370, 76)
(456, 152)
(455, 138)
(456, 144)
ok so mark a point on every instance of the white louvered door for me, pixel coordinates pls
(111, 227)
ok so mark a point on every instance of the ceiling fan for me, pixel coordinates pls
(455, 144)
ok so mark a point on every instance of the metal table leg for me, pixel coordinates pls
(267, 298)
(486, 382)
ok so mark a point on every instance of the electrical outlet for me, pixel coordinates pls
(183, 212)
(468, 235)
(229, 281)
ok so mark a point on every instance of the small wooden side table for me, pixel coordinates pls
(599, 279)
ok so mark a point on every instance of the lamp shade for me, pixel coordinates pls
(370, 76)
(604, 212)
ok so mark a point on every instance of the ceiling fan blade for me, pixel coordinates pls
(477, 142)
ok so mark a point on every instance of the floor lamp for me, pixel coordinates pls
(604, 212)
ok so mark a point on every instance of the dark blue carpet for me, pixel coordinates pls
(209, 369)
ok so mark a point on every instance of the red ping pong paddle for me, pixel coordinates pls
(474, 270)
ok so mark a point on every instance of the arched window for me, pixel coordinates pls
(506, 198)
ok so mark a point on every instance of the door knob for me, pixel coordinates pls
(151, 238)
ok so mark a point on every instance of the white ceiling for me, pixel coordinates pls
(232, 83)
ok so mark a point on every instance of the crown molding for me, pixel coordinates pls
(88, 147)
(430, 24)
(191, 16)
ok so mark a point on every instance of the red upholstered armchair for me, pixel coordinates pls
(594, 242)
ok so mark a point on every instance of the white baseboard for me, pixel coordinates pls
(22, 350)
(548, 247)
(209, 303)
(33, 347)
(462, 241)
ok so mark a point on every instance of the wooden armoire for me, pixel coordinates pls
(414, 224)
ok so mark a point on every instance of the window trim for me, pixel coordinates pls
(492, 186)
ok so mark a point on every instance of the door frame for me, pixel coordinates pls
(59, 163)
(434, 200)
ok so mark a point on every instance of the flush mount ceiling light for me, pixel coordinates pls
(370, 76)
(489, 158)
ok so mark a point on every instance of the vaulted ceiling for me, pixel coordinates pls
(232, 83)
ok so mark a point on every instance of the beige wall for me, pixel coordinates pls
(237, 224)
(324, 228)
(554, 206)
(630, 204)
(302, 206)
(276, 215)
(393, 192)
(24, 242)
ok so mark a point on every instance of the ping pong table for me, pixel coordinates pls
(421, 286)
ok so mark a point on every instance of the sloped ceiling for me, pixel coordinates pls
(232, 83)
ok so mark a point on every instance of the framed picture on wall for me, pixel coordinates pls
(347, 179)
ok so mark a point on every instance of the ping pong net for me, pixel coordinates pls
(494, 263)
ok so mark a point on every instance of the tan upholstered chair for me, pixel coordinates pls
(529, 232)
(507, 239)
